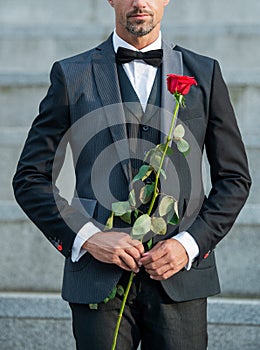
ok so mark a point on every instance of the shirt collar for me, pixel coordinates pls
(117, 41)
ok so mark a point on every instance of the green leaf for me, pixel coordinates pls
(127, 217)
(120, 208)
(120, 290)
(174, 220)
(183, 146)
(141, 226)
(146, 193)
(109, 223)
(173, 215)
(162, 147)
(158, 225)
(163, 173)
(155, 160)
(143, 173)
(113, 293)
(166, 205)
(136, 213)
(150, 244)
(179, 132)
(180, 99)
(149, 153)
(131, 198)
(93, 306)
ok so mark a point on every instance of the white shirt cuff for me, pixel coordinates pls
(190, 246)
(84, 234)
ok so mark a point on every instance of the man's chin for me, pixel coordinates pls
(139, 30)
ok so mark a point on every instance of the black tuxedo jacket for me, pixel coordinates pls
(73, 111)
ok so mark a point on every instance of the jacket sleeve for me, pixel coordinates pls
(39, 165)
(228, 169)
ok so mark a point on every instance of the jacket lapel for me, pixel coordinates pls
(106, 77)
(172, 64)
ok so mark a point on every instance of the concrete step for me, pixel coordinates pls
(80, 12)
(28, 261)
(36, 265)
(55, 13)
(43, 321)
(37, 48)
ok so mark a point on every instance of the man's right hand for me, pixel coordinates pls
(115, 248)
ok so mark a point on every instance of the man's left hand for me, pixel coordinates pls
(165, 259)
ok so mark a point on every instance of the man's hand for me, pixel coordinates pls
(165, 259)
(115, 248)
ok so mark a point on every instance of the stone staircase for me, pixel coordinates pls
(35, 34)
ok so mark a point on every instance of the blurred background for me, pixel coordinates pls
(33, 34)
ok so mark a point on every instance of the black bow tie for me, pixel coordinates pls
(153, 57)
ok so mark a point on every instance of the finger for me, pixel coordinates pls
(155, 265)
(164, 276)
(152, 256)
(129, 262)
(158, 271)
(123, 265)
(135, 253)
(138, 245)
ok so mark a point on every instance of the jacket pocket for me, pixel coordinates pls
(77, 266)
(207, 263)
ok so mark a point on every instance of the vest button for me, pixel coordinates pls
(145, 128)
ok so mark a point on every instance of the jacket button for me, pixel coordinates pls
(145, 128)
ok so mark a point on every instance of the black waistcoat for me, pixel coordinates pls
(143, 127)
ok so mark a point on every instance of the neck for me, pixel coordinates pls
(139, 42)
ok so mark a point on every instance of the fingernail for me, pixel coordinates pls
(151, 277)
(140, 264)
(136, 271)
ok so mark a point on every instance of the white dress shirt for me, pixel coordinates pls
(141, 76)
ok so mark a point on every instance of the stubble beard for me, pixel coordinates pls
(139, 28)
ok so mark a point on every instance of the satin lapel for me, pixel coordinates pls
(106, 77)
(172, 64)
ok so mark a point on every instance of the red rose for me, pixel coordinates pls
(180, 84)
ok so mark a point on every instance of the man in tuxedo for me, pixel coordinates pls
(166, 308)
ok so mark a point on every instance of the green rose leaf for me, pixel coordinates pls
(183, 146)
(174, 220)
(136, 213)
(131, 198)
(120, 290)
(113, 293)
(173, 215)
(158, 225)
(121, 208)
(155, 160)
(127, 217)
(141, 226)
(146, 193)
(109, 223)
(179, 132)
(143, 173)
(149, 153)
(162, 147)
(166, 205)
(163, 173)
